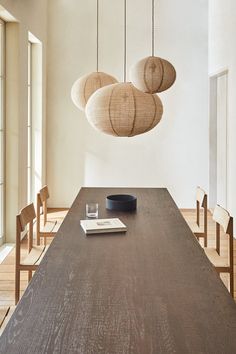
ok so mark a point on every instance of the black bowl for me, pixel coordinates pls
(121, 202)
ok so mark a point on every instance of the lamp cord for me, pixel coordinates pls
(153, 28)
(125, 38)
(97, 34)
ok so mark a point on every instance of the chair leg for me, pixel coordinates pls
(29, 275)
(17, 286)
(45, 241)
(197, 237)
(38, 239)
(205, 240)
(232, 284)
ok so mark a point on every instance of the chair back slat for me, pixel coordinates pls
(44, 194)
(222, 217)
(200, 194)
(42, 198)
(26, 216)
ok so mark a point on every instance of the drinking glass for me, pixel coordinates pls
(92, 210)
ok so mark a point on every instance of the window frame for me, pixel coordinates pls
(3, 130)
(29, 125)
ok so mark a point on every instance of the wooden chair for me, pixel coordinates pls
(200, 231)
(5, 316)
(35, 253)
(222, 265)
(50, 227)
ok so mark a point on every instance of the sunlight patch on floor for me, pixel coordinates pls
(5, 250)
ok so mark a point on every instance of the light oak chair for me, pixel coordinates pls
(46, 227)
(5, 316)
(35, 253)
(222, 265)
(200, 231)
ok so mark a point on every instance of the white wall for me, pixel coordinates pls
(175, 154)
(30, 16)
(222, 55)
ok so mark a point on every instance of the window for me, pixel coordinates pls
(34, 125)
(2, 130)
(29, 126)
(218, 162)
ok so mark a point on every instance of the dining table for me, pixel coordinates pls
(148, 290)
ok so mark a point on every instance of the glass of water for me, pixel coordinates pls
(92, 210)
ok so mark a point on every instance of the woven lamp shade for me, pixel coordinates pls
(122, 110)
(85, 86)
(153, 74)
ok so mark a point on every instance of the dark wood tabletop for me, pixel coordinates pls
(150, 290)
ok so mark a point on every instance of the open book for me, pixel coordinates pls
(99, 226)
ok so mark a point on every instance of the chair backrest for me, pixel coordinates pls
(201, 202)
(222, 218)
(44, 194)
(24, 218)
(200, 195)
(42, 198)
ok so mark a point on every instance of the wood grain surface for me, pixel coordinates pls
(151, 290)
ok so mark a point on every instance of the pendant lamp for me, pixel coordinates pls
(153, 74)
(86, 85)
(121, 109)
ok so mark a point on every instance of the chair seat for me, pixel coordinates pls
(42, 255)
(215, 258)
(35, 256)
(57, 226)
(58, 216)
(195, 228)
(48, 227)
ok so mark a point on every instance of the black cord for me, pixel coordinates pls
(97, 33)
(153, 28)
(125, 38)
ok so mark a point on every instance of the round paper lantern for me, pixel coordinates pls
(122, 110)
(153, 74)
(85, 86)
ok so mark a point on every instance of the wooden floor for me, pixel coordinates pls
(7, 270)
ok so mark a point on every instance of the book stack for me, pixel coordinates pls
(101, 226)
